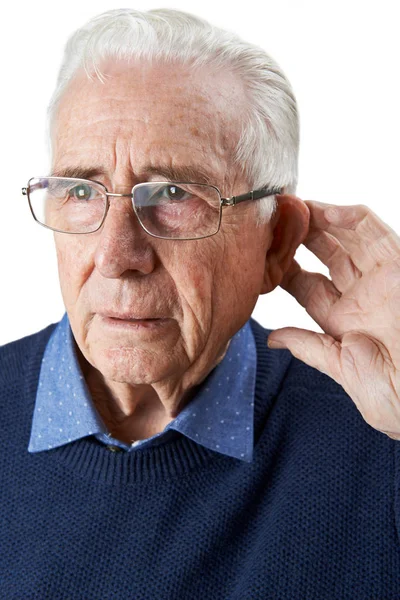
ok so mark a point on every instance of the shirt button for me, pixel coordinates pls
(114, 448)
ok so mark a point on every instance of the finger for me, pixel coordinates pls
(368, 240)
(315, 292)
(331, 252)
(365, 254)
(349, 240)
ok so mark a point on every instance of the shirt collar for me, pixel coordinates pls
(220, 416)
(64, 410)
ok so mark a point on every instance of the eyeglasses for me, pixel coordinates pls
(168, 210)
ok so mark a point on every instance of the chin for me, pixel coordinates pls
(136, 366)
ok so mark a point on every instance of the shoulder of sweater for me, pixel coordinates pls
(298, 373)
(14, 355)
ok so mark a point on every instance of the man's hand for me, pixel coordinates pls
(359, 309)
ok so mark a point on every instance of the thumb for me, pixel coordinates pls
(318, 350)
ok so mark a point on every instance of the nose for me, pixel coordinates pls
(123, 245)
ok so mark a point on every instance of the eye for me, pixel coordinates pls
(174, 192)
(81, 192)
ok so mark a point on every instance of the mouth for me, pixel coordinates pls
(133, 322)
(128, 316)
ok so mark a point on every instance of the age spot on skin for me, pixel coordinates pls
(194, 131)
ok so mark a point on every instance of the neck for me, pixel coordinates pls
(133, 412)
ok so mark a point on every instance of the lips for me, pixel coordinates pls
(129, 316)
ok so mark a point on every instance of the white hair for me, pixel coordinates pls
(267, 150)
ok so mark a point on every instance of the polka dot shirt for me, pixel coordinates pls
(219, 417)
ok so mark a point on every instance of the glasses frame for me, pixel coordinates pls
(232, 201)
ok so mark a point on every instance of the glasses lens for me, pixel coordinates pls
(178, 210)
(68, 205)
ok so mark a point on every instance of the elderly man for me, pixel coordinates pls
(154, 446)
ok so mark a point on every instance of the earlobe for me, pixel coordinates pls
(290, 227)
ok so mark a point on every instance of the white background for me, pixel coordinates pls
(342, 59)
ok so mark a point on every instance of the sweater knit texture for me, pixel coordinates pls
(314, 515)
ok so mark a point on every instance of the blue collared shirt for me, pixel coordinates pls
(220, 416)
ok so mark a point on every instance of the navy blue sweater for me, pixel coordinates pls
(315, 515)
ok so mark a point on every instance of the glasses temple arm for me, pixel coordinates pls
(253, 195)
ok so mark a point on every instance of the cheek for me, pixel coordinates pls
(191, 267)
(240, 273)
(74, 266)
(197, 283)
(194, 285)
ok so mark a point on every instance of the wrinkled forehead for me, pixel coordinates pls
(164, 108)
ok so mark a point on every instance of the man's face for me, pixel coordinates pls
(198, 293)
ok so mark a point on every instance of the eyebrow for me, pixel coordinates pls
(188, 173)
(78, 172)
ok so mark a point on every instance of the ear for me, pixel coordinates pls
(290, 225)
